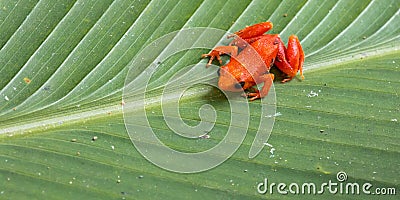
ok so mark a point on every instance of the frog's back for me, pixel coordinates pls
(259, 56)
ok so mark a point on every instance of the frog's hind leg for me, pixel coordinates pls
(290, 60)
(250, 34)
(268, 80)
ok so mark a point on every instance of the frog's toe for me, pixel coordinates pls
(253, 95)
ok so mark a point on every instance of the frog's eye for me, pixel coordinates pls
(239, 85)
(219, 71)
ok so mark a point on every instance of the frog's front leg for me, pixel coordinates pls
(267, 79)
(218, 51)
(290, 60)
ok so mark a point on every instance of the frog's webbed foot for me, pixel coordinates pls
(213, 54)
(257, 94)
(252, 95)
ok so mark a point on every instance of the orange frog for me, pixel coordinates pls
(246, 69)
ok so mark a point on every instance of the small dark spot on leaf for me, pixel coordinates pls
(46, 88)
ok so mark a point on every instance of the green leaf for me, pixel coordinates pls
(63, 66)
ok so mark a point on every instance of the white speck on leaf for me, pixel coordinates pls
(268, 144)
(205, 136)
(312, 94)
(272, 151)
(274, 115)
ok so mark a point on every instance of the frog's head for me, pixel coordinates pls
(233, 79)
